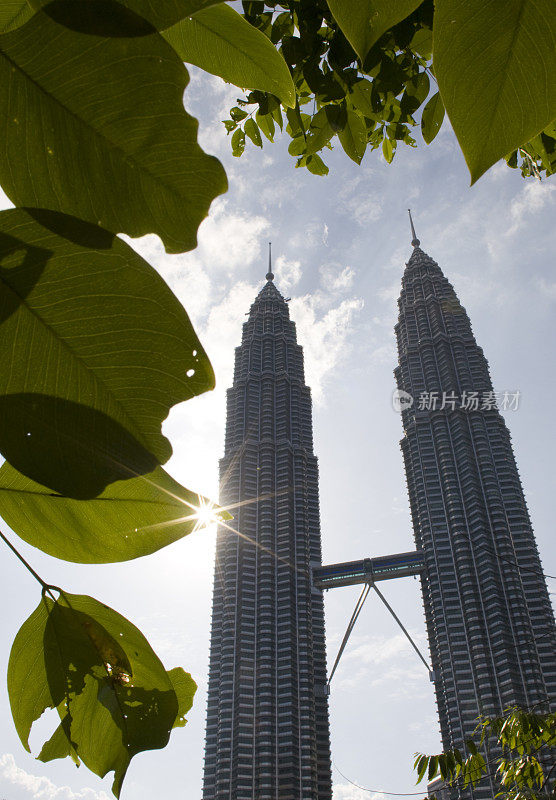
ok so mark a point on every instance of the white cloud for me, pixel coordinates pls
(335, 279)
(230, 240)
(229, 243)
(401, 673)
(325, 336)
(547, 288)
(288, 273)
(532, 198)
(41, 787)
(222, 331)
(347, 791)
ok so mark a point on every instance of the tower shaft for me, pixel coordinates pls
(490, 623)
(267, 719)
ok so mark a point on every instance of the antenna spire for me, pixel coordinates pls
(269, 275)
(415, 241)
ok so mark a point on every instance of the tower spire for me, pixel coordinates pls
(269, 275)
(415, 241)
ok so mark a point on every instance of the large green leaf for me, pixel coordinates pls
(161, 14)
(94, 126)
(221, 42)
(496, 69)
(129, 519)
(364, 21)
(113, 695)
(14, 13)
(95, 349)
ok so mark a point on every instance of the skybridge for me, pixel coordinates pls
(369, 570)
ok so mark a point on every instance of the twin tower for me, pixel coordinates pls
(490, 624)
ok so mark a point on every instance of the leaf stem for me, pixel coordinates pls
(47, 587)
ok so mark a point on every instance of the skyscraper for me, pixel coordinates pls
(267, 732)
(490, 623)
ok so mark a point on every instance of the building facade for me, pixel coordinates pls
(267, 735)
(489, 619)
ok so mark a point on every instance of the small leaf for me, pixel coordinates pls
(222, 42)
(354, 137)
(432, 118)
(238, 143)
(418, 88)
(129, 519)
(185, 688)
(252, 131)
(297, 146)
(320, 132)
(422, 43)
(95, 351)
(237, 114)
(433, 767)
(360, 96)
(266, 124)
(388, 149)
(117, 127)
(496, 70)
(316, 165)
(364, 21)
(110, 710)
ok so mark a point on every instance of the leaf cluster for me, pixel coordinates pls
(369, 71)
(365, 108)
(112, 694)
(524, 763)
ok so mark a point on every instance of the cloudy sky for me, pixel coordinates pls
(340, 244)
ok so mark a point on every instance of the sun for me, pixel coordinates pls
(206, 514)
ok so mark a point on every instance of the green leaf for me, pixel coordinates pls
(252, 131)
(14, 13)
(237, 114)
(316, 165)
(421, 43)
(496, 69)
(95, 350)
(129, 519)
(353, 138)
(266, 124)
(238, 143)
(360, 96)
(320, 132)
(388, 149)
(161, 15)
(364, 21)
(185, 688)
(112, 693)
(418, 88)
(95, 127)
(297, 146)
(432, 118)
(27, 682)
(221, 42)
